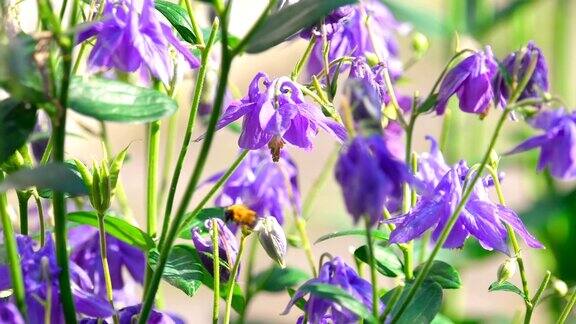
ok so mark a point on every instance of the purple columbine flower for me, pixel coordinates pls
(41, 271)
(276, 114)
(227, 247)
(9, 313)
(262, 185)
(471, 80)
(133, 35)
(331, 24)
(536, 86)
(370, 177)
(480, 218)
(127, 316)
(431, 167)
(557, 145)
(335, 272)
(355, 38)
(85, 245)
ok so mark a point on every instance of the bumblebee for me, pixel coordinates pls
(241, 215)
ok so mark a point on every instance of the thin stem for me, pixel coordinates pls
(105, 267)
(567, 309)
(373, 275)
(12, 254)
(393, 99)
(232, 281)
(195, 27)
(188, 134)
(300, 64)
(250, 291)
(152, 178)
(216, 264)
(168, 155)
(452, 220)
(41, 220)
(23, 198)
(541, 288)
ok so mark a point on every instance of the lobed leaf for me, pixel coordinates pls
(116, 227)
(111, 100)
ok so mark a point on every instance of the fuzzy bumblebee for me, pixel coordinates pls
(241, 215)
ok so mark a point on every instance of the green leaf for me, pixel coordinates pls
(277, 279)
(376, 234)
(178, 18)
(387, 263)
(506, 286)
(111, 100)
(291, 19)
(198, 221)
(444, 274)
(47, 192)
(17, 122)
(424, 306)
(185, 271)
(54, 176)
(441, 319)
(429, 103)
(116, 227)
(423, 20)
(340, 296)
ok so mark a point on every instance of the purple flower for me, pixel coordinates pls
(335, 272)
(480, 218)
(431, 167)
(331, 24)
(536, 86)
(227, 247)
(85, 245)
(557, 144)
(133, 35)
(276, 114)
(127, 316)
(41, 283)
(10, 314)
(353, 37)
(471, 81)
(371, 178)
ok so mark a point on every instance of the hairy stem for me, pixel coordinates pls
(105, 267)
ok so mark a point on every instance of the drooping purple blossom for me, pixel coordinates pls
(354, 37)
(321, 310)
(133, 35)
(127, 315)
(331, 24)
(370, 177)
(227, 248)
(537, 84)
(471, 80)
(85, 252)
(480, 217)
(278, 114)
(9, 313)
(262, 185)
(431, 167)
(557, 144)
(41, 271)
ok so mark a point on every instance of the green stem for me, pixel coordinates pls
(261, 19)
(301, 226)
(23, 198)
(188, 134)
(12, 254)
(105, 267)
(216, 264)
(538, 295)
(452, 220)
(250, 291)
(40, 218)
(168, 154)
(195, 26)
(152, 177)
(515, 246)
(567, 309)
(232, 281)
(373, 275)
(300, 64)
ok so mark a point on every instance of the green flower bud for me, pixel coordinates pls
(560, 287)
(420, 44)
(272, 238)
(507, 270)
(494, 159)
(371, 58)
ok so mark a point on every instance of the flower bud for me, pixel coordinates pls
(560, 287)
(371, 58)
(420, 44)
(507, 270)
(493, 159)
(272, 238)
